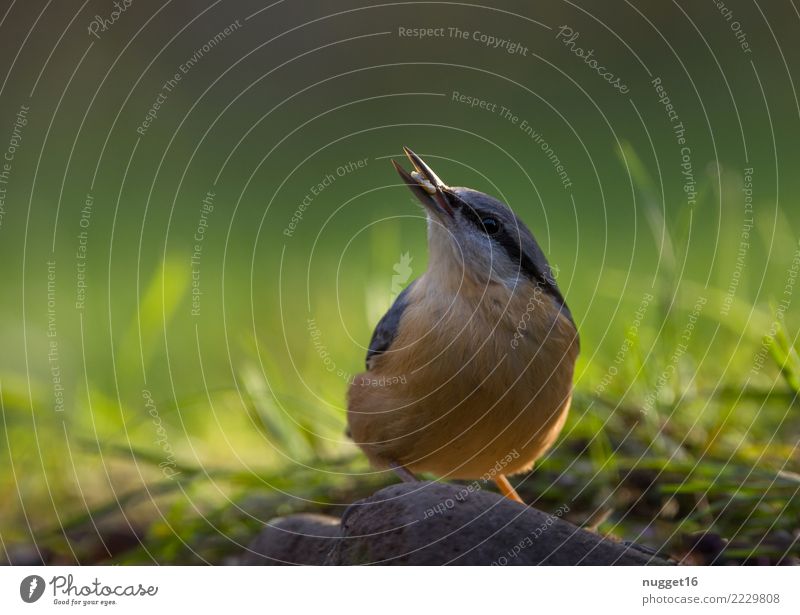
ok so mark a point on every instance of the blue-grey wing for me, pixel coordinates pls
(387, 327)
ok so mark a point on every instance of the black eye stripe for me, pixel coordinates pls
(507, 239)
(477, 218)
(453, 200)
(490, 225)
(471, 215)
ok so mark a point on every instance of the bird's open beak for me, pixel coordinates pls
(425, 184)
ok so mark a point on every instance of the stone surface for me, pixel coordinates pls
(300, 539)
(428, 523)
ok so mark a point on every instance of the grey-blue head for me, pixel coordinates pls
(480, 232)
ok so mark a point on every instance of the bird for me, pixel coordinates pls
(469, 375)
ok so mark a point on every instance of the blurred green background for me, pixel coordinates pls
(144, 422)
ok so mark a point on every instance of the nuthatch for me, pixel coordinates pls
(477, 355)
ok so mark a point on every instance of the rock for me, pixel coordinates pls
(300, 539)
(437, 523)
(27, 555)
(427, 523)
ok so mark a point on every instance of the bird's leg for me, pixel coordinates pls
(506, 489)
(404, 473)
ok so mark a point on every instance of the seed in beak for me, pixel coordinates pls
(424, 183)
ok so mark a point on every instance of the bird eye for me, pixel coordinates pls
(490, 225)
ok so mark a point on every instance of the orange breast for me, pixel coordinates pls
(473, 381)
